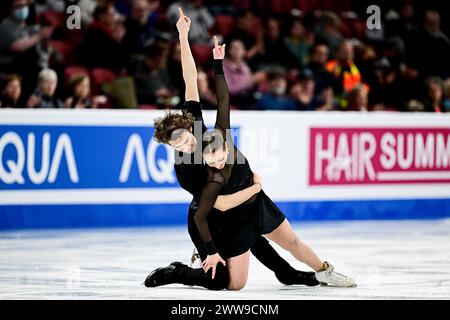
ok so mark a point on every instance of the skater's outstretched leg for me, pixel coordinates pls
(285, 273)
(285, 237)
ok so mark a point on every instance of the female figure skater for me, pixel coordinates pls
(177, 131)
(236, 229)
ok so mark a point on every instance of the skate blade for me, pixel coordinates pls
(324, 284)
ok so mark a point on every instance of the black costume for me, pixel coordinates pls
(192, 177)
(234, 232)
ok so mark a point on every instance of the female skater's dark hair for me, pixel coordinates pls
(213, 141)
(166, 127)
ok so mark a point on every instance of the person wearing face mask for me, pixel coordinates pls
(21, 46)
(276, 98)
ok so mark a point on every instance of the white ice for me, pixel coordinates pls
(388, 259)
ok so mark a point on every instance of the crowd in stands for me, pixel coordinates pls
(280, 54)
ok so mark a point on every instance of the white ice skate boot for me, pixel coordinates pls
(331, 277)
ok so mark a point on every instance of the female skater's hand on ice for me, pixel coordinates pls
(211, 262)
(183, 23)
(218, 51)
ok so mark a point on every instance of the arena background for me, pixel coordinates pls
(101, 168)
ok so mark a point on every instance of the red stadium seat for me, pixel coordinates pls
(345, 28)
(70, 71)
(65, 49)
(100, 76)
(53, 18)
(257, 24)
(242, 4)
(280, 6)
(75, 36)
(202, 53)
(335, 5)
(224, 25)
(359, 28)
(307, 5)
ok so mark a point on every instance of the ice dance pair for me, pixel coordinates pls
(230, 215)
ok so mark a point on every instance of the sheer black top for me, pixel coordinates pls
(192, 176)
(235, 176)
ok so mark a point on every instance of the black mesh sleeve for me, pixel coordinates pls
(207, 200)
(223, 99)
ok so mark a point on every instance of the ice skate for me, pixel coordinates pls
(333, 278)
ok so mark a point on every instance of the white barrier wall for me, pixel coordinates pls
(101, 167)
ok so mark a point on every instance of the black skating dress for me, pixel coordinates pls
(232, 232)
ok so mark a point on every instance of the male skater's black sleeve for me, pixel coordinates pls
(223, 98)
(208, 198)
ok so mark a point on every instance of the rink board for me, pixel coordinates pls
(93, 168)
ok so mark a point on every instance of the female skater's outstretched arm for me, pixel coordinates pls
(187, 60)
(223, 98)
(215, 181)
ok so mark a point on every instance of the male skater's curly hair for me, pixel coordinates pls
(166, 127)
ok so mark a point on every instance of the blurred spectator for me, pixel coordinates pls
(317, 64)
(386, 91)
(303, 91)
(326, 101)
(201, 19)
(297, 42)
(152, 78)
(54, 5)
(275, 53)
(174, 68)
(358, 98)
(433, 100)
(10, 91)
(80, 94)
(44, 95)
(327, 31)
(87, 8)
(207, 96)
(366, 60)
(432, 51)
(240, 79)
(23, 49)
(416, 48)
(446, 103)
(102, 44)
(140, 25)
(346, 74)
(244, 30)
(402, 22)
(276, 98)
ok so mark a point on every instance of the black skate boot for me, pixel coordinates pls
(164, 275)
(298, 277)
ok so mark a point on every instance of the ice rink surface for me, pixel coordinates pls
(388, 259)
